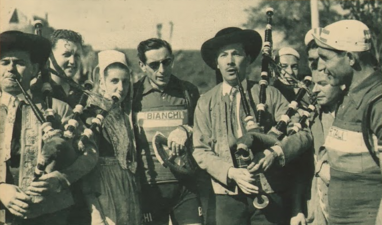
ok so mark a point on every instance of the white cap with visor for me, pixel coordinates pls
(344, 35)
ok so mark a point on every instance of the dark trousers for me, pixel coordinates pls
(238, 209)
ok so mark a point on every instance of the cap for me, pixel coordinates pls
(289, 51)
(308, 37)
(344, 35)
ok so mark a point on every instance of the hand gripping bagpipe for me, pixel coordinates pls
(245, 149)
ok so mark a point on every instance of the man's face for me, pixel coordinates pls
(327, 95)
(116, 81)
(289, 64)
(158, 67)
(336, 66)
(68, 56)
(232, 61)
(16, 64)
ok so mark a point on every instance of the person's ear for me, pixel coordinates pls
(35, 69)
(248, 59)
(351, 58)
(102, 86)
(172, 61)
(142, 66)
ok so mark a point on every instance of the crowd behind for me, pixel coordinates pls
(114, 150)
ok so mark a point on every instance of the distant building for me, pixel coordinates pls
(14, 19)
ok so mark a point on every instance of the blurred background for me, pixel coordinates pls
(186, 24)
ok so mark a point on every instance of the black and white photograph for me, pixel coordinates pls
(190, 112)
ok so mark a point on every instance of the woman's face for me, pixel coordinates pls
(117, 80)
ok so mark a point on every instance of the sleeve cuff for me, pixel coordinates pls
(280, 154)
(187, 128)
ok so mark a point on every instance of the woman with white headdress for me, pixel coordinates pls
(114, 198)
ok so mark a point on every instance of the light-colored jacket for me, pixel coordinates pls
(210, 138)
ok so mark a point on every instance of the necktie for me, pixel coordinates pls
(232, 98)
(235, 112)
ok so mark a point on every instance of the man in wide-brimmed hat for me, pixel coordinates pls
(219, 123)
(24, 199)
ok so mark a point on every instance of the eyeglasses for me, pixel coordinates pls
(155, 65)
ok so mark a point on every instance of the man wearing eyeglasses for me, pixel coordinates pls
(163, 103)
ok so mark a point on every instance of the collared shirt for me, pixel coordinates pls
(5, 98)
(153, 98)
(211, 140)
(227, 90)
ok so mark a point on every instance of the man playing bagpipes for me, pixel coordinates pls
(37, 165)
(163, 108)
(219, 130)
(355, 138)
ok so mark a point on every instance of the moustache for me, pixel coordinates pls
(229, 69)
(11, 76)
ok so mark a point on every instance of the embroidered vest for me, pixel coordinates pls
(30, 143)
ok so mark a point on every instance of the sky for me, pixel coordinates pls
(108, 24)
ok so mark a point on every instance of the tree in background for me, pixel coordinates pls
(370, 13)
(291, 21)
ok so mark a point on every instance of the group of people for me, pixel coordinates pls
(154, 151)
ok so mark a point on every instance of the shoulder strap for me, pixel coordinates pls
(366, 130)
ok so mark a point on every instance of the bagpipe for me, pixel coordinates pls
(57, 149)
(249, 145)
